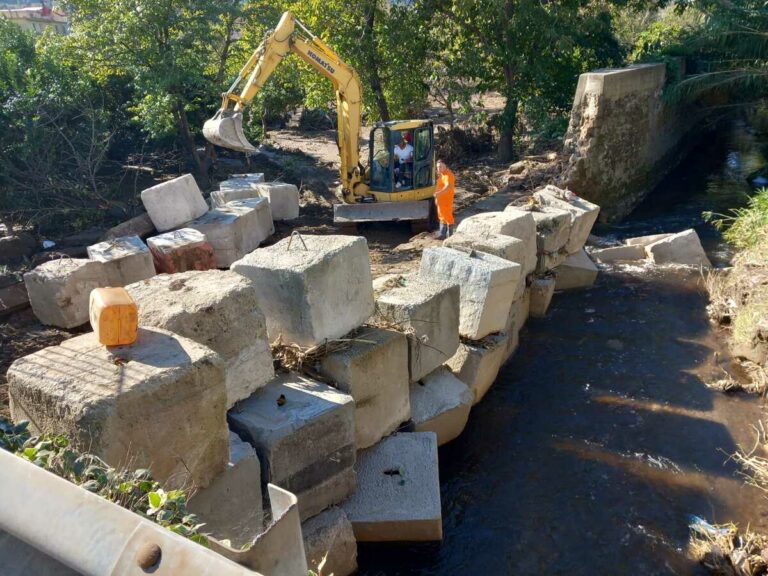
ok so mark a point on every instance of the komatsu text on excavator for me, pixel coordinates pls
(399, 180)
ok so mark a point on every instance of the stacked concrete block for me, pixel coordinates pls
(645, 240)
(374, 371)
(542, 290)
(304, 434)
(511, 222)
(683, 248)
(329, 539)
(398, 495)
(234, 189)
(236, 228)
(218, 309)
(59, 290)
(174, 203)
(553, 228)
(477, 364)
(487, 285)
(583, 214)
(283, 199)
(312, 288)
(625, 253)
(440, 403)
(578, 271)
(180, 251)
(429, 313)
(158, 403)
(126, 260)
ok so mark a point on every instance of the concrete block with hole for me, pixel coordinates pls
(398, 494)
(59, 290)
(219, 309)
(577, 272)
(158, 403)
(487, 286)
(283, 199)
(231, 506)
(583, 214)
(477, 364)
(373, 369)
(330, 539)
(126, 260)
(181, 251)
(304, 434)
(542, 290)
(440, 403)
(511, 222)
(173, 203)
(236, 228)
(312, 288)
(683, 248)
(429, 313)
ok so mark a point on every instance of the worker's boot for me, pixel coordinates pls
(448, 231)
(442, 233)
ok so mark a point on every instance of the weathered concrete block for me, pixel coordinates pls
(234, 189)
(304, 434)
(683, 248)
(236, 228)
(374, 371)
(329, 536)
(231, 506)
(553, 228)
(181, 250)
(430, 312)
(174, 203)
(157, 403)
(440, 403)
(477, 364)
(217, 309)
(59, 290)
(506, 247)
(487, 285)
(542, 290)
(283, 199)
(126, 260)
(248, 177)
(398, 495)
(583, 214)
(578, 271)
(620, 253)
(312, 288)
(547, 261)
(511, 222)
(645, 240)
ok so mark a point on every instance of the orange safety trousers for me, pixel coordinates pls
(445, 200)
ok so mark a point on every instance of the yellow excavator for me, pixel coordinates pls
(395, 185)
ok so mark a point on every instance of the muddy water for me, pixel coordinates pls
(600, 438)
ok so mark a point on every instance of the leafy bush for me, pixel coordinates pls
(744, 227)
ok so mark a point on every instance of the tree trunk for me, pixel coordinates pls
(373, 64)
(202, 163)
(507, 120)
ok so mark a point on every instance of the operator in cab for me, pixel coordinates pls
(403, 161)
(444, 199)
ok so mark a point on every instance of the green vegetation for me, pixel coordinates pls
(745, 227)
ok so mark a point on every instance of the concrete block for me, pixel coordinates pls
(440, 403)
(219, 310)
(157, 403)
(329, 537)
(253, 177)
(547, 261)
(233, 189)
(126, 260)
(510, 222)
(304, 434)
(312, 288)
(553, 228)
(477, 364)
(283, 199)
(174, 203)
(231, 506)
(180, 251)
(583, 214)
(578, 271)
(236, 228)
(398, 495)
(487, 285)
(683, 248)
(140, 226)
(429, 311)
(59, 290)
(620, 253)
(542, 290)
(645, 240)
(374, 371)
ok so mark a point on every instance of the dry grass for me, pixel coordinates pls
(756, 380)
(724, 551)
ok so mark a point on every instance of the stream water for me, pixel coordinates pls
(600, 437)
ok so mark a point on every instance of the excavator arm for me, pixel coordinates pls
(226, 127)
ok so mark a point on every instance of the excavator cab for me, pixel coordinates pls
(387, 172)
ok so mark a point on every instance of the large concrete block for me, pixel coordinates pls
(429, 312)
(510, 222)
(645, 240)
(304, 434)
(283, 199)
(180, 251)
(374, 371)
(398, 494)
(547, 261)
(576, 272)
(218, 309)
(126, 260)
(628, 252)
(157, 403)
(231, 506)
(553, 228)
(330, 540)
(59, 290)
(477, 364)
(583, 214)
(487, 285)
(312, 288)
(236, 228)
(542, 290)
(440, 403)
(234, 189)
(683, 248)
(174, 203)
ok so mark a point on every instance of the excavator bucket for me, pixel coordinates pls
(225, 129)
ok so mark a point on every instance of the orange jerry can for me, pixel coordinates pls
(114, 316)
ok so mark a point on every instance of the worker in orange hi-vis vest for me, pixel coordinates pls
(444, 199)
